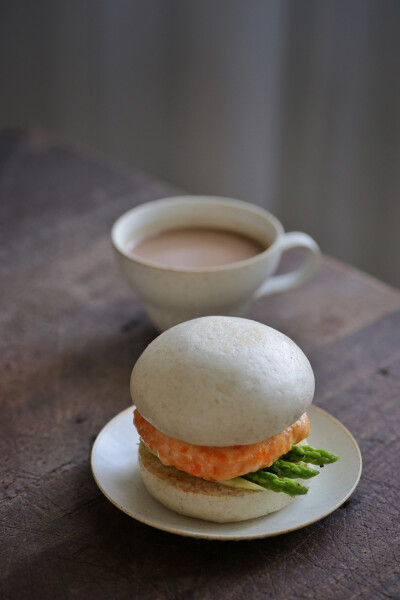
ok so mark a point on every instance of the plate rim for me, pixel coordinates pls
(222, 537)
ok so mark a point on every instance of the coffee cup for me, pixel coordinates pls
(173, 294)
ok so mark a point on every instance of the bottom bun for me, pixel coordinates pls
(194, 497)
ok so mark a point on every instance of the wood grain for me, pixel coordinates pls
(71, 332)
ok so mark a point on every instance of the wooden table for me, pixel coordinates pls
(71, 332)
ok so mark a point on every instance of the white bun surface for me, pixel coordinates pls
(194, 497)
(222, 381)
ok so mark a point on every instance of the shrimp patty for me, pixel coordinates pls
(220, 463)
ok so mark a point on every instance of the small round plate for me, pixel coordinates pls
(115, 469)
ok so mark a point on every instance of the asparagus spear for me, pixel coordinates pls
(307, 454)
(289, 469)
(275, 483)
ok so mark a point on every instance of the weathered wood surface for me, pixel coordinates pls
(71, 330)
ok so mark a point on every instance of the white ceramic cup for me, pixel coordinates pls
(172, 295)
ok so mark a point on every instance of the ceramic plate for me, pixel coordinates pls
(116, 471)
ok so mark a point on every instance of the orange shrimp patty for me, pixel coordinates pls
(220, 463)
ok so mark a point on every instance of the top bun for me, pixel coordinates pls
(222, 381)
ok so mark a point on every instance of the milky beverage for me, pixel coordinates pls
(195, 247)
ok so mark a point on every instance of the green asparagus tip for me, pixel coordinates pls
(291, 470)
(308, 454)
(270, 481)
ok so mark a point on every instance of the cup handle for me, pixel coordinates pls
(288, 281)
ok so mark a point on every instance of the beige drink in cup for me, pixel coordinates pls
(192, 256)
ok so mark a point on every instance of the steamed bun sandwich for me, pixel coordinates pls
(221, 412)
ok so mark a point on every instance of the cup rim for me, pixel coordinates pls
(184, 199)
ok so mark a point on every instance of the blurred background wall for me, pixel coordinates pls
(290, 104)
